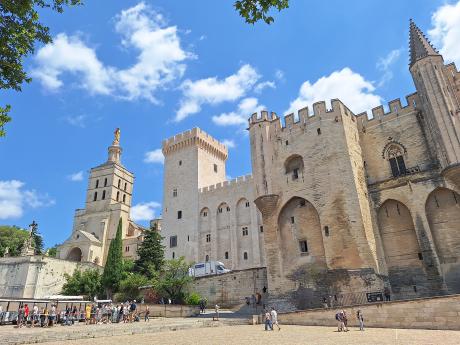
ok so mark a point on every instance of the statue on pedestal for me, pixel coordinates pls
(28, 248)
(116, 139)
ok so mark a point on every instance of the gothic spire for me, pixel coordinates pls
(419, 45)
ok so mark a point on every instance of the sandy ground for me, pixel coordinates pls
(292, 335)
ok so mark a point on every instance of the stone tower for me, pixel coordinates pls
(439, 96)
(193, 160)
(108, 198)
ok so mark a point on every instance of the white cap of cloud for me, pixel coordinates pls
(446, 31)
(78, 176)
(144, 211)
(155, 156)
(215, 91)
(350, 87)
(246, 108)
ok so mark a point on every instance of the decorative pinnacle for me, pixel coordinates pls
(419, 45)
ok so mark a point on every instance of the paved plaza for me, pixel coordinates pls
(291, 335)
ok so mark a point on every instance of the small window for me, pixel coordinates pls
(318, 131)
(103, 195)
(207, 258)
(295, 174)
(126, 186)
(95, 196)
(180, 163)
(247, 203)
(245, 231)
(226, 255)
(287, 142)
(205, 214)
(179, 214)
(173, 241)
(174, 192)
(228, 208)
(326, 231)
(245, 255)
(303, 246)
(292, 220)
(97, 183)
(420, 256)
(208, 238)
(118, 196)
(105, 182)
(219, 210)
(215, 167)
(119, 181)
(261, 228)
(127, 249)
(124, 197)
(173, 255)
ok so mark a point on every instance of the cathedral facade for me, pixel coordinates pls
(346, 204)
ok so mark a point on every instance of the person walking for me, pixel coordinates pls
(147, 314)
(339, 318)
(359, 315)
(345, 320)
(216, 311)
(274, 319)
(20, 321)
(268, 321)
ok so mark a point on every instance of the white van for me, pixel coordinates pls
(202, 269)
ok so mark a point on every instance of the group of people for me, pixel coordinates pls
(271, 319)
(342, 320)
(92, 314)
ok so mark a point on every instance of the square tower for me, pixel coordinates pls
(193, 159)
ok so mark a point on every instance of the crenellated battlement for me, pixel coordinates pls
(227, 184)
(396, 109)
(198, 137)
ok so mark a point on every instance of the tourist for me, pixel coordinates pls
(386, 292)
(1, 314)
(274, 319)
(46, 313)
(268, 321)
(132, 311)
(35, 315)
(88, 314)
(52, 315)
(360, 317)
(202, 306)
(26, 314)
(216, 313)
(147, 314)
(345, 320)
(125, 314)
(20, 316)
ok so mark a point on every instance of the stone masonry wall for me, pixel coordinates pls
(231, 288)
(427, 313)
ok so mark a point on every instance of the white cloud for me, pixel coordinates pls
(155, 156)
(446, 31)
(229, 143)
(77, 121)
(246, 108)
(384, 64)
(215, 91)
(144, 211)
(159, 61)
(266, 84)
(13, 199)
(350, 87)
(78, 176)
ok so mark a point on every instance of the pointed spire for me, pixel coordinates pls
(419, 45)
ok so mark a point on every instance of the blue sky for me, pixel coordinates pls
(157, 68)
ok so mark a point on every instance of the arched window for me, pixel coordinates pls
(394, 153)
(103, 195)
(294, 166)
(124, 197)
(119, 181)
(118, 196)
(126, 185)
(97, 183)
(207, 258)
(105, 182)
(173, 255)
(95, 196)
(226, 255)
(245, 255)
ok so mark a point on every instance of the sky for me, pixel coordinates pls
(158, 68)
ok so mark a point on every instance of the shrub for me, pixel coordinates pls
(193, 298)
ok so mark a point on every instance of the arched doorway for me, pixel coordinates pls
(75, 254)
(402, 251)
(300, 234)
(443, 214)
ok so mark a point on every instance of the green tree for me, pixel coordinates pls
(87, 283)
(37, 242)
(20, 30)
(52, 252)
(254, 10)
(113, 270)
(151, 254)
(12, 237)
(173, 280)
(129, 286)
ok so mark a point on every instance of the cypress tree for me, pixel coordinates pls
(113, 270)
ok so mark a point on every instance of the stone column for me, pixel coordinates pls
(267, 204)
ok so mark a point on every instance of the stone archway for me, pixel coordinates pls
(443, 213)
(301, 240)
(403, 255)
(75, 254)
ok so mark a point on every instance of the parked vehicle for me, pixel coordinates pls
(207, 268)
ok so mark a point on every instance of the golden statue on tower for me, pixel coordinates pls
(116, 139)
